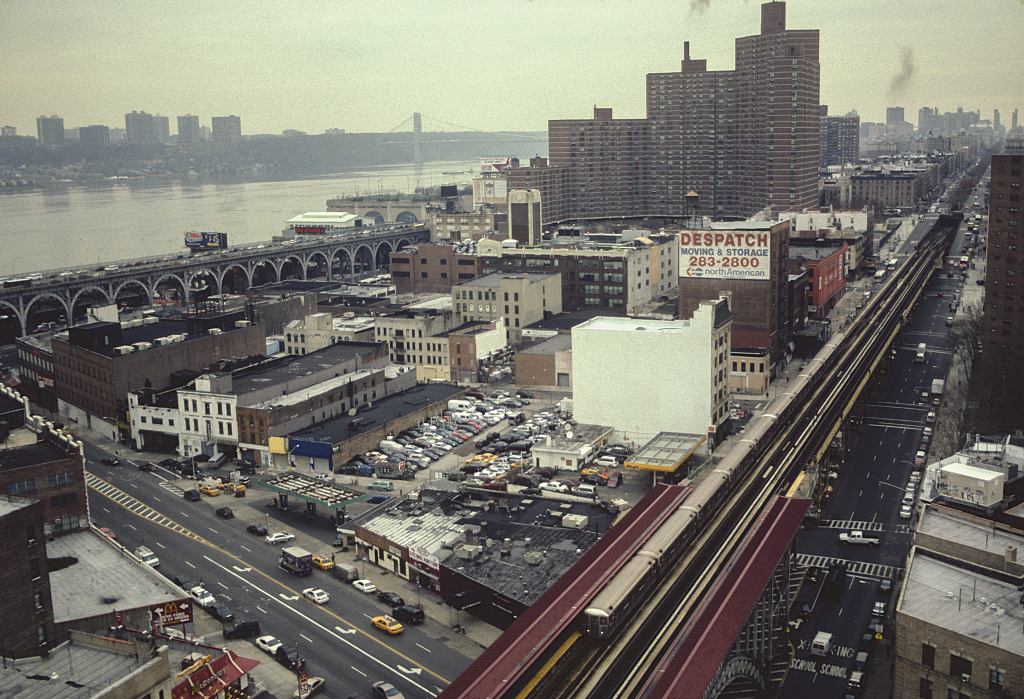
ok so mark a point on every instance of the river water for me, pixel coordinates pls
(53, 229)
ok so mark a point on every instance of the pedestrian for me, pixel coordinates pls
(332, 558)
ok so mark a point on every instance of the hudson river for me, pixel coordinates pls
(53, 229)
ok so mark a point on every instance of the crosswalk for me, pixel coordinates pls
(850, 524)
(875, 571)
(136, 507)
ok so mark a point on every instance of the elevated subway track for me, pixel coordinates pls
(813, 410)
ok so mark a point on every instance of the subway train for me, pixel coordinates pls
(630, 587)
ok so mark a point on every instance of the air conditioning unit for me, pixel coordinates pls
(215, 331)
(965, 677)
(242, 323)
(142, 346)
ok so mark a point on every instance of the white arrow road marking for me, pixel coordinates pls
(288, 598)
(353, 646)
(241, 570)
(409, 671)
(341, 630)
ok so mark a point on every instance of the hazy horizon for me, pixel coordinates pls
(367, 66)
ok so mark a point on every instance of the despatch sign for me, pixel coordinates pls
(176, 612)
(725, 254)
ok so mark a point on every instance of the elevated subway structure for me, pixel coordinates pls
(332, 258)
(814, 408)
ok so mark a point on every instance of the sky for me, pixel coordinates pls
(367, 65)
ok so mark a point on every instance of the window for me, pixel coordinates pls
(928, 655)
(959, 667)
(996, 679)
(62, 478)
(19, 487)
(925, 690)
(63, 500)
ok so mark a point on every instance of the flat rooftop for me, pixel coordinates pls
(666, 451)
(967, 530)
(558, 343)
(101, 578)
(632, 325)
(295, 366)
(336, 430)
(963, 601)
(30, 454)
(433, 522)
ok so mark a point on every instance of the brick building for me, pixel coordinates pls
(96, 366)
(759, 293)
(619, 276)
(826, 262)
(744, 140)
(428, 267)
(26, 626)
(519, 299)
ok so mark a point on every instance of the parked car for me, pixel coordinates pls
(225, 512)
(366, 586)
(193, 495)
(268, 644)
(313, 686)
(324, 561)
(257, 529)
(288, 656)
(242, 629)
(109, 461)
(386, 690)
(391, 598)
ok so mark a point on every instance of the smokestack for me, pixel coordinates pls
(686, 50)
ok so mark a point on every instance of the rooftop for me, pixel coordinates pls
(968, 530)
(666, 451)
(963, 601)
(495, 278)
(100, 578)
(434, 522)
(630, 325)
(336, 430)
(30, 455)
(296, 366)
(556, 343)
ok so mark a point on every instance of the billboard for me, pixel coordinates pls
(176, 612)
(497, 164)
(196, 240)
(725, 254)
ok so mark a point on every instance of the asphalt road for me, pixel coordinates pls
(868, 490)
(336, 639)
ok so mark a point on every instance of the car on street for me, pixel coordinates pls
(314, 685)
(805, 611)
(221, 612)
(288, 656)
(386, 623)
(193, 495)
(225, 513)
(879, 609)
(366, 586)
(390, 598)
(268, 644)
(109, 461)
(378, 499)
(257, 529)
(279, 537)
(202, 596)
(147, 466)
(386, 690)
(317, 595)
(813, 574)
(106, 531)
(210, 490)
(906, 511)
(323, 561)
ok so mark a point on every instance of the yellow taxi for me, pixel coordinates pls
(591, 471)
(209, 490)
(386, 623)
(323, 561)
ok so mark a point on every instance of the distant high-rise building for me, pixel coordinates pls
(1013, 120)
(8, 131)
(894, 116)
(995, 119)
(163, 128)
(839, 140)
(141, 128)
(97, 134)
(188, 129)
(227, 129)
(744, 140)
(50, 130)
(524, 216)
(1003, 336)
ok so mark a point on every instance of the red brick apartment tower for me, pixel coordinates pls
(777, 103)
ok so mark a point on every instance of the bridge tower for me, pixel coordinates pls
(417, 137)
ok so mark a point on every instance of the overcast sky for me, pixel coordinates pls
(367, 65)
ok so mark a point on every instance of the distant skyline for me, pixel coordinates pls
(367, 66)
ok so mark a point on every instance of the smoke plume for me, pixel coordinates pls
(901, 81)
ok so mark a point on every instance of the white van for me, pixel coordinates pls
(389, 447)
(585, 490)
(456, 404)
(822, 644)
